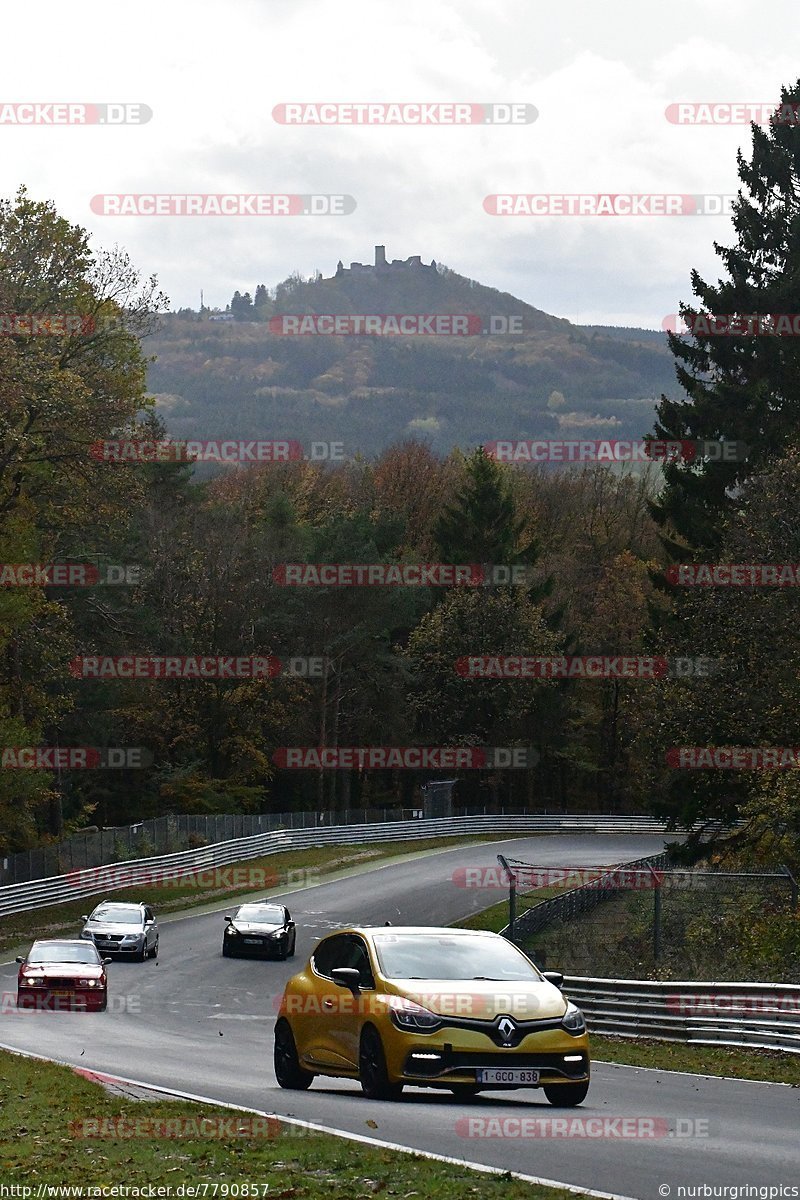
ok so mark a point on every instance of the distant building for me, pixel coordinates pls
(381, 265)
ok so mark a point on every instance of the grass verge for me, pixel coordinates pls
(298, 868)
(42, 1143)
(766, 1066)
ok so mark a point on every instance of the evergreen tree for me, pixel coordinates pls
(744, 388)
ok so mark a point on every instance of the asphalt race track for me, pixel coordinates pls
(202, 1024)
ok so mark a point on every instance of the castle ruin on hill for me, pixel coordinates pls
(381, 265)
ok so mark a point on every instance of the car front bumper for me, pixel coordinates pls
(454, 1056)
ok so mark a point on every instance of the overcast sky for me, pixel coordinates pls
(600, 76)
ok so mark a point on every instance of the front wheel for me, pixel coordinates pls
(226, 950)
(567, 1095)
(372, 1069)
(288, 1071)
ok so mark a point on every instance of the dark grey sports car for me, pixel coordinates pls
(260, 927)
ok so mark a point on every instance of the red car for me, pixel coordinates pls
(60, 974)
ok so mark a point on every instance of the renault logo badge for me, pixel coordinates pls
(507, 1030)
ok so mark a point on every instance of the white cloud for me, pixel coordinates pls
(601, 77)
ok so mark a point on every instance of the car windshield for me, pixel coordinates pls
(117, 914)
(413, 956)
(269, 914)
(63, 952)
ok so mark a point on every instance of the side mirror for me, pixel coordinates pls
(227, 918)
(554, 977)
(19, 959)
(84, 917)
(290, 925)
(346, 977)
(106, 961)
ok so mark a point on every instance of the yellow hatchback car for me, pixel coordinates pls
(443, 1008)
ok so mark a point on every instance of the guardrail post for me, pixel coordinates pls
(656, 913)
(512, 896)
(792, 883)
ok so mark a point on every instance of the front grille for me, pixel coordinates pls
(466, 1060)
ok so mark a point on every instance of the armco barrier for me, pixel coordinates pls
(763, 1015)
(39, 893)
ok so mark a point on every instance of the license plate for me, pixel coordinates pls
(507, 1075)
(253, 941)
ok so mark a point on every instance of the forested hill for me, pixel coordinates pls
(535, 376)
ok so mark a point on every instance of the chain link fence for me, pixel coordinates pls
(649, 920)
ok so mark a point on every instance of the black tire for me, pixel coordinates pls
(567, 1095)
(288, 1071)
(226, 950)
(141, 955)
(372, 1070)
(104, 1005)
(290, 953)
(154, 952)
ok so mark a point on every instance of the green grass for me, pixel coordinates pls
(771, 1066)
(495, 918)
(39, 1143)
(197, 891)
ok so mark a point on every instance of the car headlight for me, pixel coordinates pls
(230, 929)
(86, 933)
(33, 980)
(412, 1017)
(573, 1020)
(87, 983)
(280, 933)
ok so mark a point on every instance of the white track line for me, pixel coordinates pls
(341, 1133)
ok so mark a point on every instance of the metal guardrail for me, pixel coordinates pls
(580, 899)
(93, 881)
(760, 1015)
